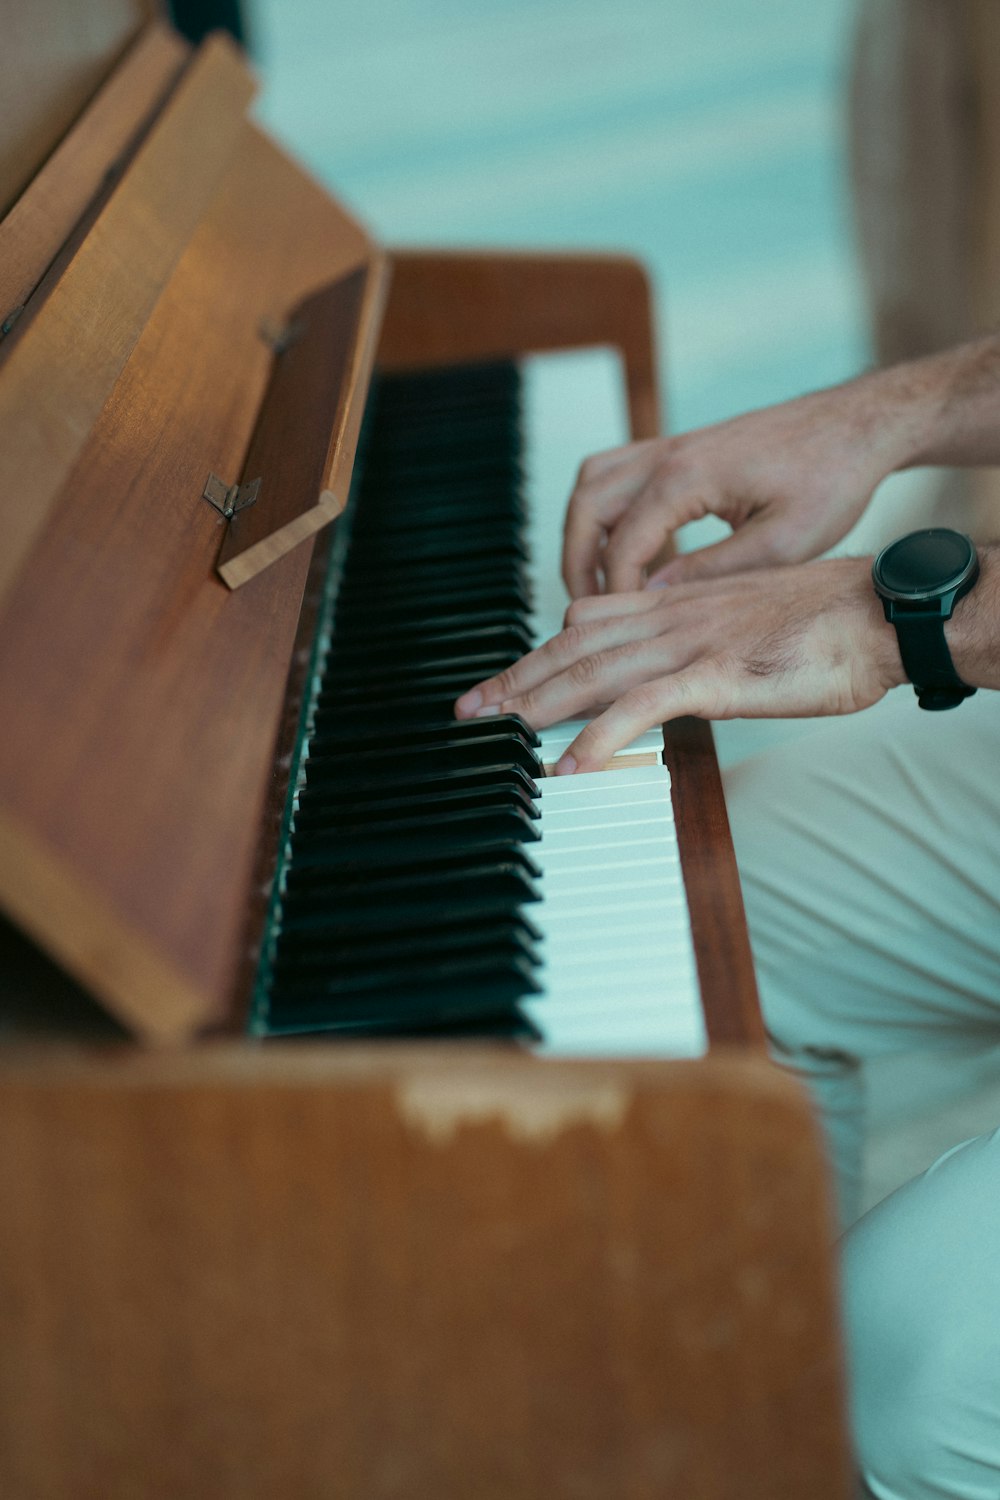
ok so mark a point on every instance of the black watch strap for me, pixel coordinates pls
(927, 661)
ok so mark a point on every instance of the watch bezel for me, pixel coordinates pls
(952, 583)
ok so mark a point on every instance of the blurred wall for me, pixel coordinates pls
(708, 138)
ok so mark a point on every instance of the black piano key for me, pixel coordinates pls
(423, 507)
(445, 755)
(310, 887)
(410, 861)
(466, 828)
(460, 624)
(354, 679)
(509, 931)
(507, 1023)
(494, 595)
(327, 734)
(472, 986)
(400, 717)
(356, 913)
(356, 919)
(409, 808)
(421, 645)
(354, 780)
(386, 853)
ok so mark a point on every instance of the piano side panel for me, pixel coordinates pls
(447, 307)
(148, 695)
(711, 880)
(376, 1274)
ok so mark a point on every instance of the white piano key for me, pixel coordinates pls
(617, 960)
(639, 949)
(637, 836)
(583, 783)
(568, 941)
(560, 815)
(679, 1035)
(558, 737)
(569, 1003)
(625, 860)
(576, 918)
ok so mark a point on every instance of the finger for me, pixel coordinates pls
(691, 691)
(592, 680)
(557, 655)
(609, 606)
(752, 546)
(631, 544)
(605, 487)
(583, 535)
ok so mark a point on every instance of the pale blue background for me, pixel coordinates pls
(705, 135)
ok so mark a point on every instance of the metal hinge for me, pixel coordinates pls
(281, 336)
(229, 498)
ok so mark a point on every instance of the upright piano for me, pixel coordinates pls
(342, 1153)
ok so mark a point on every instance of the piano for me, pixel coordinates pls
(342, 1152)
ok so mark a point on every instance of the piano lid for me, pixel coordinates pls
(142, 695)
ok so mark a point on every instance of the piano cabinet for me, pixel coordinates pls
(298, 1269)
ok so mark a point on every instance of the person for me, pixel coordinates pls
(869, 849)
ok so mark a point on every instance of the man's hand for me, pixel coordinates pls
(791, 480)
(784, 642)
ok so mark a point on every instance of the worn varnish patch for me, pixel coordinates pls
(528, 1107)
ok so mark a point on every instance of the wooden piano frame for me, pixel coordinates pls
(301, 1270)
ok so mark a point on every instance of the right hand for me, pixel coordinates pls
(790, 480)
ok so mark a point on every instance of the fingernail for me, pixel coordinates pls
(565, 766)
(488, 711)
(469, 702)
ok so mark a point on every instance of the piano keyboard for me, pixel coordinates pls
(431, 879)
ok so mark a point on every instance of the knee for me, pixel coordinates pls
(904, 1432)
(922, 1351)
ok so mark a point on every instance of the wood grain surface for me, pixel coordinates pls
(450, 306)
(711, 880)
(61, 361)
(85, 163)
(383, 1274)
(55, 55)
(306, 435)
(138, 676)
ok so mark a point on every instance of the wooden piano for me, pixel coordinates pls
(231, 1267)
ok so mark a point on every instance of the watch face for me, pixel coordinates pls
(924, 563)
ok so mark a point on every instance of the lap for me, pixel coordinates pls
(922, 1314)
(869, 852)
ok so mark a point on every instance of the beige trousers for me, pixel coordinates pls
(869, 851)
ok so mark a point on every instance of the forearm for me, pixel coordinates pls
(941, 410)
(973, 632)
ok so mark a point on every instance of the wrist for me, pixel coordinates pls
(907, 403)
(950, 400)
(973, 632)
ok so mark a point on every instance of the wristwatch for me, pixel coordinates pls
(919, 579)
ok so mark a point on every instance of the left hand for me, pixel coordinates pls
(773, 643)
